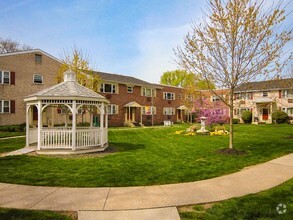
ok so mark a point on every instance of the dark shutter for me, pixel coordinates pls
(59, 110)
(12, 78)
(280, 93)
(12, 106)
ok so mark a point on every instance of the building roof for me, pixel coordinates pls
(30, 51)
(69, 89)
(127, 80)
(275, 84)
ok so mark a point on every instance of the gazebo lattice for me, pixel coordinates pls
(68, 138)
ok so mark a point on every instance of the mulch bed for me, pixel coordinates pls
(228, 151)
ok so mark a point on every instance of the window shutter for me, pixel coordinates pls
(234, 96)
(59, 110)
(280, 93)
(12, 106)
(12, 78)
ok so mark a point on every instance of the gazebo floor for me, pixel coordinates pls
(83, 150)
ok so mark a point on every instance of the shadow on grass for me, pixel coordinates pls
(124, 147)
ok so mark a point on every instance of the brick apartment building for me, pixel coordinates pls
(132, 101)
(21, 74)
(263, 98)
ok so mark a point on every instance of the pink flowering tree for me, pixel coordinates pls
(215, 112)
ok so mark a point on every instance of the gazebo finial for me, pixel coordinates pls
(69, 76)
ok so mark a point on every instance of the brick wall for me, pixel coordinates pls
(24, 67)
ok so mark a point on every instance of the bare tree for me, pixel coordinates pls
(239, 41)
(8, 45)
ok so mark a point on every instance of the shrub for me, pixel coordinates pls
(235, 121)
(247, 116)
(280, 116)
(13, 128)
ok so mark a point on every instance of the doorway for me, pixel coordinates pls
(265, 114)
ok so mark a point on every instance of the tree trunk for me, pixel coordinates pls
(231, 120)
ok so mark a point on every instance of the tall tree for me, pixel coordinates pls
(179, 78)
(239, 41)
(8, 45)
(78, 62)
(183, 79)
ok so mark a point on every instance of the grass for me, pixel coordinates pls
(12, 144)
(258, 206)
(4, 134)
(152, 156)
(21, 214)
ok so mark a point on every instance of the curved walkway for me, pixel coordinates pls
(249, 180)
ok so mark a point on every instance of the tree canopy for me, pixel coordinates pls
(78, 62)
(184, 79)
(238, 41)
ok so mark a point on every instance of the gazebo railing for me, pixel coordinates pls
(62, 138)
(56, 138)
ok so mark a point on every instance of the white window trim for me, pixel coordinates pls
(165, 95)
(114, 87)
(2, 106)
(168, 113)
(111, 107)
(128, 87)
(37, 74)
(144, 89)
(2, 76)
(153, 110)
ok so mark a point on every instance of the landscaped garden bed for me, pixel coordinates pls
(150, 156)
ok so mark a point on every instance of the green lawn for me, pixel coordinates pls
(259, 206)
(4, 134)
(152, 156)
(20, 214)
(12, 144)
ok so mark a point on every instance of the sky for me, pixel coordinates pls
(128, 37)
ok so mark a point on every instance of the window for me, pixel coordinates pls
(4, 77)
(168, 111)
(287, 93)
(180, 96)
(108, 88)
(189, 98)
(147, 92)
(38, 58)
(265, 94)
(38, 79)
(169, 95)
(112, 109)
(215, 99)
(148, 110)
(129, 89)
(4, 106)
(290, 111)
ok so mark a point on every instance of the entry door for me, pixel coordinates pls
(265, 114)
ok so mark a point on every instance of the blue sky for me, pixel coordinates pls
(129, 37)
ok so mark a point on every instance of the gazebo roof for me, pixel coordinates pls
(69, 89)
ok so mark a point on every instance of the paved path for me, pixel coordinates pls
(249, 180)
(21, 151)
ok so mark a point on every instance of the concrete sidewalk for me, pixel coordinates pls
(249, 180)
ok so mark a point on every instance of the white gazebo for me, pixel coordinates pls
(43, 109)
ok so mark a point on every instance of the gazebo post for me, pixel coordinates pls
(39, 106)
(73, 125)
(102, 123)
(27, 125)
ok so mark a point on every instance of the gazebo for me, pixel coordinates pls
(65, 103)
